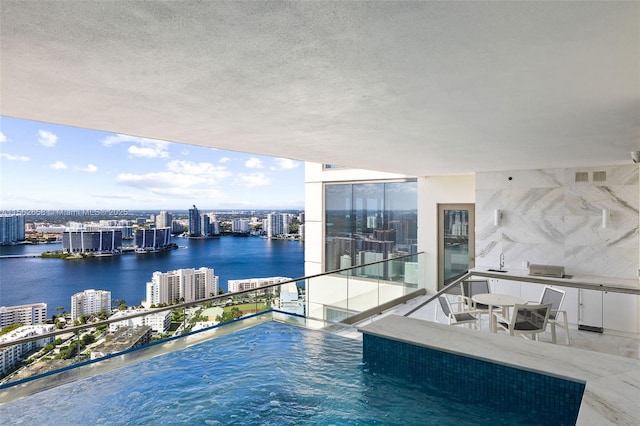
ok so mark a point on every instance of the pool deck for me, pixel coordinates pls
(612, 382)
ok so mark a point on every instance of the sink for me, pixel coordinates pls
(496, 270)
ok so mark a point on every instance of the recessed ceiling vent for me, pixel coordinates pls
(582, 176)
(599, 176)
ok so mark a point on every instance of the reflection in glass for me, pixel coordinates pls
(369, 222)
(456, 244)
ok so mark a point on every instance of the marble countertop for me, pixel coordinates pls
(612, 382)
(583, 281)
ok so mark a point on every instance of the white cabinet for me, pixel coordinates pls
(590, 310)
(620, 312)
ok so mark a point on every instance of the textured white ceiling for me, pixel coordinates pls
(419, 88)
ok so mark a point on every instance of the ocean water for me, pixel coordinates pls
(270, 374)
(54, 281)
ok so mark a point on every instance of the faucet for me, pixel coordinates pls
(501, 260)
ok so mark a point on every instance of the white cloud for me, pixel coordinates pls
(285, 164)
(159, 180)
(200, 169)
(148, 151)
(58, 165)
(3, 138)
(143, 147)
(90, 168)
(175, 185)
(47, 138)
(252, 180)
(14, 157)
(253, 163)
(224, 160)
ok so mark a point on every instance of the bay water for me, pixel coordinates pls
(54, 281)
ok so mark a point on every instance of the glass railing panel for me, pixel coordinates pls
(328, 296)
(331, 297)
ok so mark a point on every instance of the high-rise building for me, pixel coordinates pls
(35, 313)
(185, 285)
(240, 226)
(153, 239)
(205, 224)
(92, 241)
(163, 219)
(195, 229)
(277, 224)
(11, 228)
(90, 302)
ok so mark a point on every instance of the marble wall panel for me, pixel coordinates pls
(533, 228)
(612, 262)
(547, 200)
(585, 230)
(591, 199)
(548, 217)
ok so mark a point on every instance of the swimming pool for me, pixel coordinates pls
(270, 374)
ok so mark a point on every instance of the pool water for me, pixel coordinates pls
(270, 374)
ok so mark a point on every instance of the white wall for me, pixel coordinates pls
(434, 190)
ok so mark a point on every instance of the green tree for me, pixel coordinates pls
(87, 339)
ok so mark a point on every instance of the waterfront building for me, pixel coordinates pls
(11, 355)
(277, 224)
(179, 226)
(163, 219)
(240, 226)
(195, 226)
(253, 283)
(158, 321)
(31, 314)
(152, 239)
(98, 242)
(185, 285)
(90, 302)
(11, 228)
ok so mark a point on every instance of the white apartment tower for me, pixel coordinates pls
(277, 224)
(90, 302)
(240, 225)
(35, 313)
(164, 219)
(189, 284)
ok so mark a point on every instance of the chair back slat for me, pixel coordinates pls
(444, 304)
(531, 317)
(472, 287)
(553, 296)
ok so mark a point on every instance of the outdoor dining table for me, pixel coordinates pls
(497, 300)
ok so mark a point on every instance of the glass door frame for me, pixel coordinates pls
(471, 208)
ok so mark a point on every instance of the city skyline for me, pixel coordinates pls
(53, 167)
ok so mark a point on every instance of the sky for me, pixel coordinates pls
(51, 167)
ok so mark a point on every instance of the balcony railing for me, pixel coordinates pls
(589, 306)
(330, 297)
